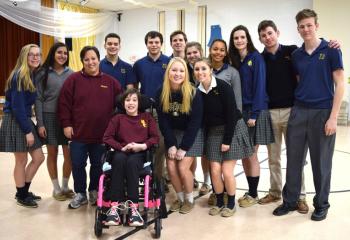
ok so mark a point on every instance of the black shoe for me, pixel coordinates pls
(32, 195)
(319, 214)
(27, 202)
(283, 209)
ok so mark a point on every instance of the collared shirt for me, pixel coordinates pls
(316, 85)
(150, 73)
(218, 71)
(212, 85)
(122, 71)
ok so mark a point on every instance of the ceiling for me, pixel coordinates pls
(117, 5)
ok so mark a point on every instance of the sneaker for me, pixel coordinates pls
(283, 209)
(59, 196)
(176, 205)
(303, 208)
(27, 202)
(243, 197)
(212, 199)
(195, 183)
(68, 193)
(113, 218)
(269, 199)
(135, 219)
(79, 200)
(205, 189)
(93, 197)
(186, 207)
(32, 195)
(215, 210)
(227, 212)
(248, 201)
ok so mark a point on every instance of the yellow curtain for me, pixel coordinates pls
(77, 43)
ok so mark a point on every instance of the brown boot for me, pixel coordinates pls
(269, 199)
(302, 206)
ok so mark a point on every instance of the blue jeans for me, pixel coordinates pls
(79, 153)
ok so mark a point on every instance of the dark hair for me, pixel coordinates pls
(128, 92)
(85, 49)
(306, 13)
(112, 35)
(177, 32)
(266, 23)
(50, 61)
(154, 34)
(233, 52)
(206, 60)
(226, 59)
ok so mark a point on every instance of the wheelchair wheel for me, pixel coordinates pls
(158, 227)
(98, 223)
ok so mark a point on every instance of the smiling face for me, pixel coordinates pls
(177, 74)
(131, 104)
(240, 39)
(34, 58)
(112, 46)
(193, 54)
(91, 63)
(154, 46)
(202, 72)
(307, 28)
(61, 56)
(178, 43)
(218, 52)
(269, 37)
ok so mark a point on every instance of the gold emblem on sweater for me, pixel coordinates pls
(322, 56)
(216, 92)
(143, 123)
(250, 63)
(164, 65)
(122, 70)
(174, 109)
(104, 86)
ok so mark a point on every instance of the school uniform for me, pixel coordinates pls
(179, 129)
(312, 108)
(121, 71)
(223, 124)
(46, 105)
(16, 122)
(254, 98)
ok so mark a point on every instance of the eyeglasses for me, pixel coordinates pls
(32, 55)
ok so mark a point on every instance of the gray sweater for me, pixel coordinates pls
(231, 76)
(47, 100)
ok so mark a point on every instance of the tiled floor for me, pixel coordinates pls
(52, 220)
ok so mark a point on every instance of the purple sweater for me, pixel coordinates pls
(124, 129)
(86, 103)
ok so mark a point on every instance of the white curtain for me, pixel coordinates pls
(56, 22)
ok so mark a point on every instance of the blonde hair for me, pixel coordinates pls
(187, 90)
(22, 70)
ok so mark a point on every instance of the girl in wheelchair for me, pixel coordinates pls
(130, 135)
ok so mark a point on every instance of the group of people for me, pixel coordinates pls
(219, 108)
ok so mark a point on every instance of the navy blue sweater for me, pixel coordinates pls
(175, 120)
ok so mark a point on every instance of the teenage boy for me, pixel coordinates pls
(280, 85)
(113, 65)
(178, 40)
(149, 72)
(313, 119)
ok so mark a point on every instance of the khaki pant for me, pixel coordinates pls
(279, 118)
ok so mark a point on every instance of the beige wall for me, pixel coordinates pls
(334, 19)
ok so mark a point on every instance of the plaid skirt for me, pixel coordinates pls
(197, 148)
(241, 145)
(54, 131)
(262, 132)
(12, 138)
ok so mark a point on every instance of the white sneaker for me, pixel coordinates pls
(78, 200)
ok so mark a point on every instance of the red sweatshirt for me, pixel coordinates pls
(86, 103)
(124, 129)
